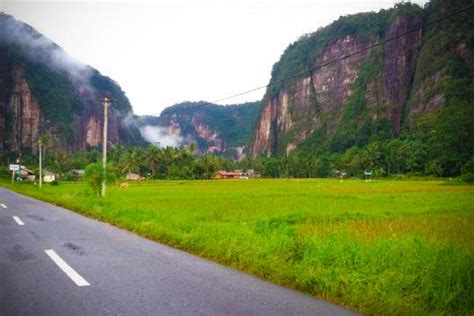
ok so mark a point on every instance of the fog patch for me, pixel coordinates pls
(39, 49)
(161, 136)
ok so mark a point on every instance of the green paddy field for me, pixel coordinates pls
(380, 247)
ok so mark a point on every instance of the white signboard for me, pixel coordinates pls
(14, 167)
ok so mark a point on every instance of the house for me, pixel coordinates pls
(48, 176)
(221, 174)
(133, 177)
(251, 173)
(77, 172)
(26, 174)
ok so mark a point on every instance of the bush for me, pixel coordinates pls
(94, 175)
(468, 177)
(468, 167)
(54, 182)
(5, 173)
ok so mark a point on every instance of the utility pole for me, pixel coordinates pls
(106, 104)
(40, 163)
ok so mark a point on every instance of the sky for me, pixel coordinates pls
(164, 52)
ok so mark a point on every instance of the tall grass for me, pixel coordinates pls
(384, 247)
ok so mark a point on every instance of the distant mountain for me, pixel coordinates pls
(44, 91)
(416, 89)
(213, 128)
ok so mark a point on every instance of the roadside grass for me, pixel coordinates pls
(383, 247)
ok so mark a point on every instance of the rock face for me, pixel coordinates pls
(43, 92)
(27, 110)
(300, 108)
(399, 66)
(376, 87)
(223, 130)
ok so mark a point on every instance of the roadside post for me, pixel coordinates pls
(14, 168)
(106, 103)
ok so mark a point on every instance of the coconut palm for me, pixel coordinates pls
(169, 154)
(131, 160)
(153, 156)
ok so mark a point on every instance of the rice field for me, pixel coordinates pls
(380, 247)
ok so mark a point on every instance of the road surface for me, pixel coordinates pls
(56, 262)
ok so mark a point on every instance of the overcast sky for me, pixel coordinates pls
(165, 52)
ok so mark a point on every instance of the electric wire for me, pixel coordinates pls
(311, 70)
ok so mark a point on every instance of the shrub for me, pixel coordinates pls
(468, 177)
(468, 167)
(5, 173)
(94, 175)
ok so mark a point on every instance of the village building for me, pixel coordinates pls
(131, 176)
(48, 176)
(26, 174)
(221, 174)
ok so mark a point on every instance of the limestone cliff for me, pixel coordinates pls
(223, 130)
(377, 91)
(43, 91)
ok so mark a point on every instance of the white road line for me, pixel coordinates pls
(75, 277)
(3, 205)
(18, 220)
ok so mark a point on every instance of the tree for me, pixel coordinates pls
(191, 148)
(153, 156)
(131, 160)
(396, 156)
(417, 153)
(115, 153)
(205, 166)
(168, 155)
(60, 162)
(94, 175)
(453, 137)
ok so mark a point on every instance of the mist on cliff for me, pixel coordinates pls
(39, 49)
(160, 136)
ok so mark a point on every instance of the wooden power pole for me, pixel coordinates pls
(40, 163)
(106, 103)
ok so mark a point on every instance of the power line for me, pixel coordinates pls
(311, 70)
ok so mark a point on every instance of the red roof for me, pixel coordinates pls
(228, 174)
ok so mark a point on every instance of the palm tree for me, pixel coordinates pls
(192, 148)
(169, 155)
(61, 161)
(115, 152)
(209, 164)
(153, 156)
(131, 160)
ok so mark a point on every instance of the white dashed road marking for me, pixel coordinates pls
(3, 205)
(18, 220)
(73, 275)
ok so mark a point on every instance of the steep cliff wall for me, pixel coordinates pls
(341, 98)
(373, 94)
(44, 92)
(224, 130)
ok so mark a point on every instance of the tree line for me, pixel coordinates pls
(381, 158)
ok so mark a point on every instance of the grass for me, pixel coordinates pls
(384, 247)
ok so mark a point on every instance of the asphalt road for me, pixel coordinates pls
(105, 270)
